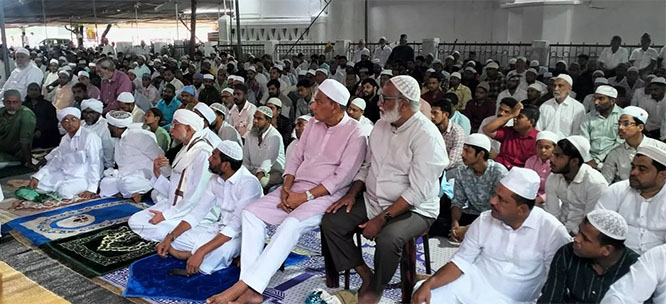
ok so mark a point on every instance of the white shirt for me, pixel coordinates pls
(290, 149)
(404, 162)
(641, 59)
(646, 217)
(571, 202)
(211, 137)
(611, 60)
(654, 108)
(267, 157)
(79, 156)
(617, 165)
(357, 54)
(563, 119)
(382, 54)
(518, 95)
(243, 119)
(137, 115)
(224, 200)
(646, 278)
(101, 128)
(366, 125)
(19, 79)
(135, 152)
(515, 262)
(228, 132)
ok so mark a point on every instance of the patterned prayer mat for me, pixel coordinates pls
(73, 220)
(99, 252)
(16, 288)
(13, 208)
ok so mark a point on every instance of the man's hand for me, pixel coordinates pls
(158, 163)
(515, 111)
(346, 201)
(33, 183)
(157, 217)
(422, 294)
(163, 246)
(284, 194)
(592, 163)
(296, 199)
(88, 195)
(459, 233)
(260, 175)
(193, 263)
(372, 227)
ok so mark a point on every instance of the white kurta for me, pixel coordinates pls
(190, 182)
(19, 79)
(73, 167)
(646, 279)
(562, 119)
(219, 212)
(654, 108)
(646, 217)
(101, 128)
(514, 262)
(134, 153)
(570, 202)
(366, 125)
(228, 132)
(211, 137)
(267, 157)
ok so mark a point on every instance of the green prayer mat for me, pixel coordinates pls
(35, 195)
(99, 252)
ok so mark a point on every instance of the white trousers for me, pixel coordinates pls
(259, 264)
(220, 258)
(465, 290)
(125, 185)
(67, 187)
(138, 222)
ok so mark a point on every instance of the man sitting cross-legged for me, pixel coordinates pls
(209, 236)
(180, 185)
(134, 153)
(329, 154)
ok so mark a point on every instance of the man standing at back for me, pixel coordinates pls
(401, 53)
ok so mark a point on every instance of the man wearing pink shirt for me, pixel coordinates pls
(113, 83)
(318, 173)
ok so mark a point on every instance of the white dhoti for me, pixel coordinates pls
(465, 290)
(126, 185)
(66, 186)
(215, 260)
(259, 264)
(138, 222)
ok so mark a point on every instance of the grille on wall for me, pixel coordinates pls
(272, 33)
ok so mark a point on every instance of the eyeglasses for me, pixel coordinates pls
(383, 98)
(626, 124)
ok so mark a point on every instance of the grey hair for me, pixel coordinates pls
(11, 92)
(415, 105)
(107, 64)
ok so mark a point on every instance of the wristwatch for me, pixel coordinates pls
(387, 217)
(309, 195)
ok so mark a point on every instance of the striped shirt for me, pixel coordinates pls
(572, 279)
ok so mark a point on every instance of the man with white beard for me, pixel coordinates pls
(24, 74)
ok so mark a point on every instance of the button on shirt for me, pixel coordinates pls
(514, 262)
(646, 279)
(243, 119)
(564, 119)
(642, 58)
(472, 193)
(617, 165)
(267, 156)
(601, 132)
(570, 202)
(515, 149)
(646, 217)
(404, 162)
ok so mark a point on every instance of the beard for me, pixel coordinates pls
(391, 116)
(214, 170)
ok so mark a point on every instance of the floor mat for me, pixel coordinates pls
(73, 220)
(13, 208)
(17, 288)
(99, 252)
(149, 278)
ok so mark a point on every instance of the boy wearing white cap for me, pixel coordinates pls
(356, 110)
(583, 270)
(600, 126)
(91, 116)
(126, 103)
(463, 92)
(562, 114)
(208, 237)
(263, 152)
(75, 167)
(540, 162)
(574, 187)
(617, 165)
(134, 153)
(299, 128)
(641, 200)
(507, 250)
(177, 187)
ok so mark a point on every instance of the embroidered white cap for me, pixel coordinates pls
(120, 119)
(636, 112)
(654, 153)
(609, 223)
(231, 149)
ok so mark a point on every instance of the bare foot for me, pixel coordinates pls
(229, 295)
(366, 276)
(136, 197)
(250, 296)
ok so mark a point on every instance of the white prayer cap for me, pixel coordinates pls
(274, 101)
(532, 70)
(609, 223)
(536, 86)
(120, 119)
(650, 77)
(92, 104)
(456, 52)
(566, 78)
(252, 68)
(450, 57)
(376, 60)
(478, 140)
(389, 72)
(654, 153)
(311, 72)
(359, 102)
(601, 80)
(54, 61)
(220, 108)
(548, 135)
(437, 61)
(659, 80)
(228, 90)
(304, 117)
(231, 149)
(279, 67)
(522, 58)
(492, 65)
(206, 112)
(69, 111)
(266, 111)
(522, 181)
(63, 71)
(302, 72)
(84, 74)
(407, 86)
(636, 112)
(633, 69)
(606, 90)
(91, 65)
(582, 145)
(470, 69)
(72, 64)
(209, 76)
(239, 78)
(489, 60)
(335, 91)
(456, 74)
(471, 62)
(429, 70)
(325, 71)
(534, 63)
(187, 117)
(562, 62)
(365, 52)
(23, 51)
(382, 37)
(446, 74)
(125, 97)
(599, 72)
(513, 61)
